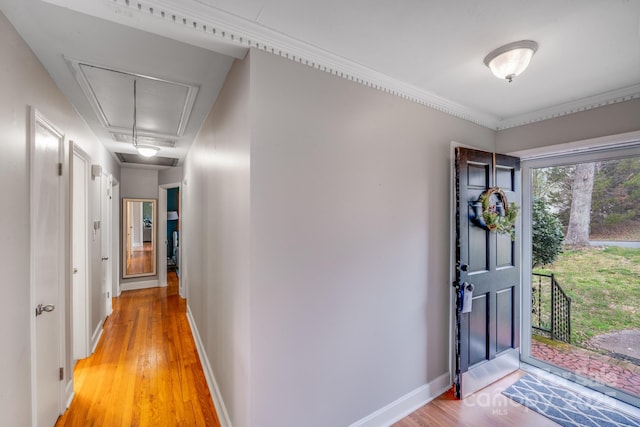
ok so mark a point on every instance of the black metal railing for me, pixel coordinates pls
(550, 308)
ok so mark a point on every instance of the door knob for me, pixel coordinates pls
(44, 308)
(105, 258)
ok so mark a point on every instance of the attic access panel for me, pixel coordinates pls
(129, 158)
(145, 140)
(163, 106)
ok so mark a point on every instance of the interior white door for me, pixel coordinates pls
(47, 269)
(80, 253)
(105, 230)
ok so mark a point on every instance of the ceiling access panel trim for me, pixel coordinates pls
(88, 91)
(130, 158)
(85, 85)
(126, 137)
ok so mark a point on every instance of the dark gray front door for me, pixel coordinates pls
(487, 337)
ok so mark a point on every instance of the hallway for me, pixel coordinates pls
(146, 370)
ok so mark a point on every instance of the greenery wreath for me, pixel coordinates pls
(496, 213)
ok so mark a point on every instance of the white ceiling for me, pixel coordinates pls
(427, 51)
(172, 75)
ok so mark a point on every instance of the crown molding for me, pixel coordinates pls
(584, 104)
(192, 21)
(152, 17)
(195, 22)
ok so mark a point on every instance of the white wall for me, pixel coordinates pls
(602, 121)
(215, 239)
(333, 260)
(142, 184)
(171, 175)
(24, 82)
(349, 244)
(139, 183)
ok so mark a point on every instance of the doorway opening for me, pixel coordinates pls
(173, 240)
(169, 238)
(581, 307)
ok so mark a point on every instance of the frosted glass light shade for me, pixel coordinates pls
(172, 215)
(511, 60)
(147, 150)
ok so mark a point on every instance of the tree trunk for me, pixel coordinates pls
(580, 217)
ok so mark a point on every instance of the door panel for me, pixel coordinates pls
(47, 270)
(488, 337)
(504, 320)
(505, 251)
(478, 331)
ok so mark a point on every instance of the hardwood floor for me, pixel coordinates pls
(172, 283)
(145, 371)
(488, 407)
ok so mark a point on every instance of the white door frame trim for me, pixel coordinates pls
(37, 117)
(162, 231)
(74, 150)
(105, 225)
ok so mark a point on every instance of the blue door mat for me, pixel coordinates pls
(566, 407)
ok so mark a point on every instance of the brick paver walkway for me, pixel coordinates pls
(613, 372)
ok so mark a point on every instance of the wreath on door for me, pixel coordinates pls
(493, 212)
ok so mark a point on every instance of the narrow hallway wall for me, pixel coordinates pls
(24, 82)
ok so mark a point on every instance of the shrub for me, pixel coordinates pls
(547, 235)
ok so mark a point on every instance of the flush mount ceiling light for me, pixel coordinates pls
(508, 61)
(143, 150)
(147, 150)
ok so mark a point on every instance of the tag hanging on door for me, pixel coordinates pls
(467, 297)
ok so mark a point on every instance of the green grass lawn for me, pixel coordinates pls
(604, 286)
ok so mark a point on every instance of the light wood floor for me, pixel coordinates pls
(146, 370)
(172, 283)
(488, 407)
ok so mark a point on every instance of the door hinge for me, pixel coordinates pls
(59, 169)
(61, 374)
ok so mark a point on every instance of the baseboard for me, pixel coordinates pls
(95, 338)
(221, 409)
(406, 404)
(144, 284)
(69, 394)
